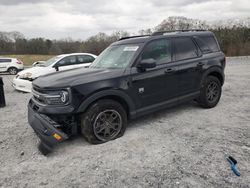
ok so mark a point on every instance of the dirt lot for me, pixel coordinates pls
(179, 147)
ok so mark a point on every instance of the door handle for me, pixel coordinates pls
(200, 64)
(169, 70)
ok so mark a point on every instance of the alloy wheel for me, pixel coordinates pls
(13, 71)
(212, 91)
(107, 125)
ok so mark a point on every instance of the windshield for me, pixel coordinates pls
(51, 61)
(117, 56)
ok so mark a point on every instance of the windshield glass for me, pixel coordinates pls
(117, 56)
(51, 61)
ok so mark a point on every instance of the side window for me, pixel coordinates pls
(5, 60)
(71, 60)
(203, 46)
(185, 49)
(210, 42)
(85, 59)
(160, 50)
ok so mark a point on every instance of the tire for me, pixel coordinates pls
(104, 117)
(13, 71)
(210, 92)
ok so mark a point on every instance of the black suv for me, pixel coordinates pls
(132, 77)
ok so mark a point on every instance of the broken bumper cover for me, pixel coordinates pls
(45, 128)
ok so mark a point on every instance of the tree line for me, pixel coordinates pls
(233, 37)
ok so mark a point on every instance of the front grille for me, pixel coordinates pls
(29, 79)
(33, 106)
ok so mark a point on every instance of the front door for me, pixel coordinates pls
(155, 85)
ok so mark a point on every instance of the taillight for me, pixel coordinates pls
(19, 61)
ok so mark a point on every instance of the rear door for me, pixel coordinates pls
(4, 62)
(188, 58)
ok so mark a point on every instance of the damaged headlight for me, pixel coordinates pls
(26, 76)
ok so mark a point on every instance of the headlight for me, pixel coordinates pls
(52, 97)
(26, 75)
(57, 99)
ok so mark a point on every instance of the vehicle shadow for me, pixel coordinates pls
(167, 112)
(79, 141)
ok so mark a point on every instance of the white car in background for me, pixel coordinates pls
(23, 80)
(10, 65)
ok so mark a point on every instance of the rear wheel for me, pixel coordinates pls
(105, 120)
(12, 70)
(210, 93)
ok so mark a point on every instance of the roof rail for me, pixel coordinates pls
(129, 37)
(183, 30)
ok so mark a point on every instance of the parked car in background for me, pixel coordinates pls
(10, 65)
(23, 80)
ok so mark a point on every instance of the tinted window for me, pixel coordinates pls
(71, 60)
(160, 50)
(85, 59)
(210, 42)
(5, 60)
(203, 46)
(185, 49)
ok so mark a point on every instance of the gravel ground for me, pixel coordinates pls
(178, 147)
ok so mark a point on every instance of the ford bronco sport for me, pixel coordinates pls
(132, 77)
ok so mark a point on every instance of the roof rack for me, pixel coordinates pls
(161, 33)
(129, 37)
(183, 30)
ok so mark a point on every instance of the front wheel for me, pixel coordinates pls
(210, 92)
(104, 120)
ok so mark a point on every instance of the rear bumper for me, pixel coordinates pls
(22, 85)
(45, 128)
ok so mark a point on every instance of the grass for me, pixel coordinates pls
(29, 59)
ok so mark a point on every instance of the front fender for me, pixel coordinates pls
(108, 93)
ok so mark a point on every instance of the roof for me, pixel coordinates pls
(64, 55)
(162, 34)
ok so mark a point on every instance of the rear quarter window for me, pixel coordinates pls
(85, 59)
(207, 44)
(5, 60)
(185, 48)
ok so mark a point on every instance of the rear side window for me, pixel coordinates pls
(5, 60)
(85, 59)
(70, 60)
(160, 50)
(185, 49)
(207, 44)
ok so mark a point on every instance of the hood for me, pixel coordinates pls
(37, 71)
(69, 78)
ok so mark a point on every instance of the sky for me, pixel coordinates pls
(79, 19)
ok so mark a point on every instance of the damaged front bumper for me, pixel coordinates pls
(46, 129)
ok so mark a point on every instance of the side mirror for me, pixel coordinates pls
(147, 64)
(56, 67)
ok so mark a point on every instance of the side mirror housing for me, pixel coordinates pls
(147, 64)
(56, 67)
